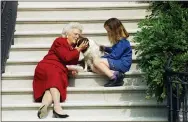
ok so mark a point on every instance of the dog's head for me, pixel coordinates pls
(80, 41)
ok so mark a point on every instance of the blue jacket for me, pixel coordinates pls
(120, 54)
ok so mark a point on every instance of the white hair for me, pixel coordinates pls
(70, 26)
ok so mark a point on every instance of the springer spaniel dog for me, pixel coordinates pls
(91, 52)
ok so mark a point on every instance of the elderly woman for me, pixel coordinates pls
(51, 74)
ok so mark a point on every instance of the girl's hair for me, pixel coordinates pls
(70, 26)
(116, 30)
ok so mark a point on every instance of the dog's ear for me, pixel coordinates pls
(79, 41)
(86, 40)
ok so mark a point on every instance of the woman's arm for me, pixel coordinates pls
(74, 69)
(64, 53)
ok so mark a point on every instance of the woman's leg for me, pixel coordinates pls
(47, 98)
(46, 101)
(56, 99)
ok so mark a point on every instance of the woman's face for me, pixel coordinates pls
(73, 35)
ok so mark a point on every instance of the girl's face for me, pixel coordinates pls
(107, 29)
(73, 35)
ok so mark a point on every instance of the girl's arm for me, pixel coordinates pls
(105, 49)
(108, 49)
(118, 50)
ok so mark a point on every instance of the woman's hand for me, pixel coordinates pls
(83, 46)
(73, 69)
(74, 72)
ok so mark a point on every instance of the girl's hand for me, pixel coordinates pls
(101, 48)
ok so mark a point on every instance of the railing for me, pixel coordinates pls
(8, 20)
(177, 94)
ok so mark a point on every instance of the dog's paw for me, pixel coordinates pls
(85, 70)
(89, 69)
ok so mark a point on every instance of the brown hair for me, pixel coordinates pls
(116, 30)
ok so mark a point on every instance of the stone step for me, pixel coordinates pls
(43, 25)
(10, 75)
(23, 56)
(38, 24)
(27, 67)
(69, 12)
(58, 31)
(100, 118)
(45, 46)
(111, 94)
(50, 33)
(83, 14)
(33, 6)
(29, 51)
(40, 40)
(36, 60)
(94, 108)
(83, 79)
(58, 20)
(26, 82)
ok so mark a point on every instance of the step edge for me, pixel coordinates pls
(59, 32)
(12, 61)
(82, 89)
(43, 46)
(8, 74)
(78, 20)
(121, 4)
(90, 104)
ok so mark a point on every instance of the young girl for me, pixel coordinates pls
(118, 59)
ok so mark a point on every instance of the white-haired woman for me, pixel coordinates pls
(51, 74)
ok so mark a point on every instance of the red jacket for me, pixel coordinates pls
(61, 54)
(52, 71)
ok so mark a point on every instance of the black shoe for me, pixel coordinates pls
(118, 82)
(105, 85)
(56, 115)
(42, 112)
(120, 76)
(114, 83)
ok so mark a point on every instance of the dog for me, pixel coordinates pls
(91, 52)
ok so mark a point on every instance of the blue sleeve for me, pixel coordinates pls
(118, 50)
(108, 49)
